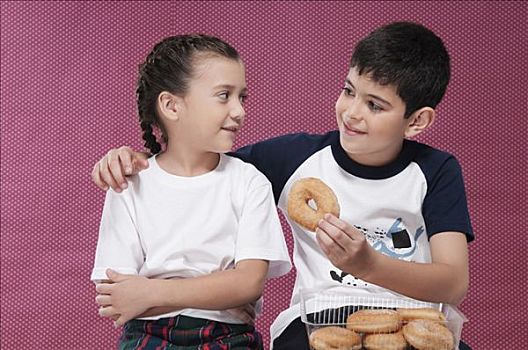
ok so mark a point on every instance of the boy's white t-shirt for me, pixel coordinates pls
(397, 207)
(168, 226)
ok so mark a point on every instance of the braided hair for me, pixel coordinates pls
(169, 67)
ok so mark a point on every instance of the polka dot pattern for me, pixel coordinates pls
(68, 71)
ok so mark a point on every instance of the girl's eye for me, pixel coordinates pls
(243, 98)
(348, 91)
(374, 107)
(224, 95)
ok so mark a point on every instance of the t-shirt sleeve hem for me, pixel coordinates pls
(460, 227)
(279, 264)
(99, 273)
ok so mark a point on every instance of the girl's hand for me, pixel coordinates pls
(110, 171)
(345, 246)
(124, 298)
(245, 313)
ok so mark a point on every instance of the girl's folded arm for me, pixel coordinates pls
(218, 291)
(128, 296)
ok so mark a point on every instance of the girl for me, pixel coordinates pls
(201, 222)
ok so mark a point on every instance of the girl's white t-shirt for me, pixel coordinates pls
(168, 226)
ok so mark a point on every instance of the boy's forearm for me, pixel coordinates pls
(217, 291)
(435, 282)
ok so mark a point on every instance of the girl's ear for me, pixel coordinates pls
(419, 121)
(169, 106)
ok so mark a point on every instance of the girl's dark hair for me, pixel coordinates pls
(408, 56)
(169, 67)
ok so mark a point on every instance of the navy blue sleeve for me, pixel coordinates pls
(445, 205)
(279, 157)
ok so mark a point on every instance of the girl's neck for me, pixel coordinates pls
(183, 162)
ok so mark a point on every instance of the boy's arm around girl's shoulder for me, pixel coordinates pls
(111, 170)
(278, 157)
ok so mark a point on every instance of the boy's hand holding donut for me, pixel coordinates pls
(345, 246)
(305, 190)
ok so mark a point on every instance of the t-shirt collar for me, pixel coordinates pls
(373, 172)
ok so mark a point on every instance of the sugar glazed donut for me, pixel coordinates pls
(428, 335)
(385, 341)
(335, 338)
(408, 314)
(374, 321)
(301, 193)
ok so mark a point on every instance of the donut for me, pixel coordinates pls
(301, 193)
(428, 335)
(385, 341)
(408, 314)
(374, 321)
(335, 338)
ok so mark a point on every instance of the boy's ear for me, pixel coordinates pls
(419, 121)
(169, 105)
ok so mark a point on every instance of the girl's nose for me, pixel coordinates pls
(237, 112)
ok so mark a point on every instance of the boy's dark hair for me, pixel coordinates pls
(169, 67)
(408, 56)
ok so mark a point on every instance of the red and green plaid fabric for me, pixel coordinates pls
(187, 333)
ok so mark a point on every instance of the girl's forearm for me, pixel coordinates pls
(155, 311)
(217, 291)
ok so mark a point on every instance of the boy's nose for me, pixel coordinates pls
(352, 111)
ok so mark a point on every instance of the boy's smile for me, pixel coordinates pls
(352, 131)
(371, 122)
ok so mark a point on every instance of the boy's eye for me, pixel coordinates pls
(374, 107)
(348, 91)
(224, 95)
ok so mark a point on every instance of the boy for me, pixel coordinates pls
(404, 222)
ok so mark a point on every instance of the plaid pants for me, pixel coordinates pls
(188, 333)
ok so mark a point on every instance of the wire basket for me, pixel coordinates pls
(325, 308)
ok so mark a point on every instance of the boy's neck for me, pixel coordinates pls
(376, 160)
(182, 162)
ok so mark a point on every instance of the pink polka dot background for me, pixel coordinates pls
(68, 71)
